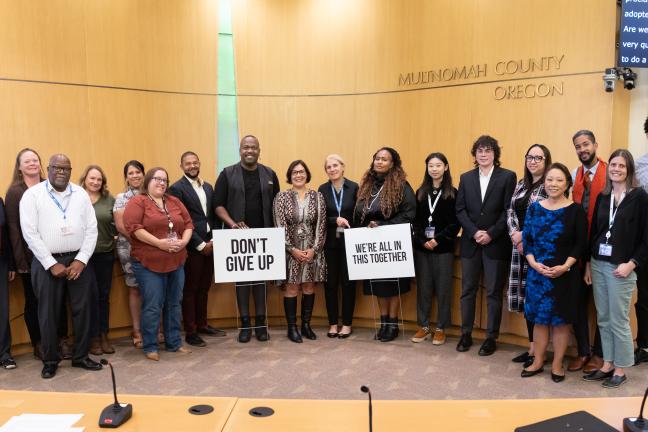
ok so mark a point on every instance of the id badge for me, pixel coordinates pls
(172, 236)
(66, 230)
(605, 249)
(339, 231)
(429, 232)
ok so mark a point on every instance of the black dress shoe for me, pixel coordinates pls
(344, 335)
(49, 371)
(332, 334)
(557, 378)
(87, 364)
(641, 355)
(522, 358)
(529, 362)
(212, 331)
(465, 342)
(598, 375)
(195, 340)
(528, 373)
(488, 347)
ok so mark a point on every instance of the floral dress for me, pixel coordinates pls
(552, 236)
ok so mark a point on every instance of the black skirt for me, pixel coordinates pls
(386, 287)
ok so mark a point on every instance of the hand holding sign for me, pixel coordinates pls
(249, 254)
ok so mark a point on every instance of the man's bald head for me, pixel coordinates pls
(59, 170)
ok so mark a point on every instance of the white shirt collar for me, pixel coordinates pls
(487, 174)
(197, 181)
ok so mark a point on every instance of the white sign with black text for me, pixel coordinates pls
(379, 253)
(256, 254)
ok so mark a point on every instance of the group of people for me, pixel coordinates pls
(548, 248)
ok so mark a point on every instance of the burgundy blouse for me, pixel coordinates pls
(143, 213)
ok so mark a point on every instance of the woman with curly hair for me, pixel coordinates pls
(385, 198)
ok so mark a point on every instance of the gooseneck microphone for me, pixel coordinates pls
(115, 414)
(365, 389)
(639, 424)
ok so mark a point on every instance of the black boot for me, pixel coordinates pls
(260, 329)
(290, 307)
(391, 331)
(245, 334)
(383, 325)
(308, 300)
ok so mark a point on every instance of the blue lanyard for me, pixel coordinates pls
(338, 204)
(58, 204)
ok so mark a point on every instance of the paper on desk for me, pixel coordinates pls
(42, 422)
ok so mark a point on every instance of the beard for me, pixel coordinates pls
(192, 177)
(590, 160)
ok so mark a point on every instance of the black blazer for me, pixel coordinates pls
(629, 235)
(184, 191)
(490, 215)
(445, 223)
(350, 189)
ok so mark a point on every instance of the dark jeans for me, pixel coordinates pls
(102, 264)
(161, 295)
(199, 273)
(50, 292)
(581, 325)
(495, 277)
(433, 275)
(5, 331)
(338, 274)
(641, 307)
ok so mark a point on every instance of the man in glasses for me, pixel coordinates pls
(59, 225)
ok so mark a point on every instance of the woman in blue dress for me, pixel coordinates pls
(554, 238)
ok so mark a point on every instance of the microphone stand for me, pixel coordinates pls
(115, 414)
(640, 424)
(365, 389)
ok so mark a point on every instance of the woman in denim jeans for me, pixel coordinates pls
(160, 228)
(618, 244)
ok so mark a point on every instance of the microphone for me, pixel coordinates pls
(115, 414)
(639, 424)
(365, 389)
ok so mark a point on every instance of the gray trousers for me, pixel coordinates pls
(495, 278)
(433, 275)
(50, 293)
(5, 331)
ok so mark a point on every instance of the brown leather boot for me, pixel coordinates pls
(577, 363)
(106, 346)
(595, 363)
(95, 346)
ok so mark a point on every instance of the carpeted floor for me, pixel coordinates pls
(322, 369)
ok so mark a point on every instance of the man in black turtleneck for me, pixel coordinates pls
(243, 198)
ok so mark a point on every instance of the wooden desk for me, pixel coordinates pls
(150, 413)
(405, 416)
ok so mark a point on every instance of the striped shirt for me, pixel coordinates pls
(58, 222)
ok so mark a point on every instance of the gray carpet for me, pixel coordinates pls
(322, 369)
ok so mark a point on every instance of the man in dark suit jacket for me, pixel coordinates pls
(196, 195)
(483, 197)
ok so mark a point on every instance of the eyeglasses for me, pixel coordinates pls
(160, 180)
(60, 169)
(298, 172)
(530, 158)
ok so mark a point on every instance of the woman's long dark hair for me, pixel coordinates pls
(447, 191)
(528, 178)
(392, 193)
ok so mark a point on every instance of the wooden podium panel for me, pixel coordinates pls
(150, 413)
(447, 416)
